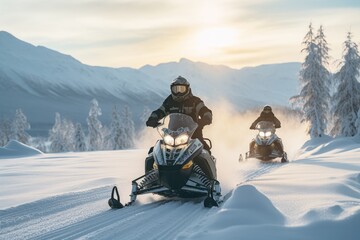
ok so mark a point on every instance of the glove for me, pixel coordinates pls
(152, 122)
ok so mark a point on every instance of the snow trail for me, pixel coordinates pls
(86, 214)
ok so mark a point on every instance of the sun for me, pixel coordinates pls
(215, 38)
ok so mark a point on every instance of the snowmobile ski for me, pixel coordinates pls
(113, 202)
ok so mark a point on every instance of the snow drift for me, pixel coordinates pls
(17, 149)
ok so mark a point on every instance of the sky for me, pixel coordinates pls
(133, 33)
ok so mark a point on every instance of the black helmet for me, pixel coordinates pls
(267, 108)
(180, 88)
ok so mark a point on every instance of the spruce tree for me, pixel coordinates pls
(57, 142)
(314, 79)
(19, 127)
(117, 131)
(357, 123)
(129, 129)
(5, 131)
(79, 139)
(95, 137)
(68, 134)
(347, 97)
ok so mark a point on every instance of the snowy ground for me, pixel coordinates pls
(64, 196)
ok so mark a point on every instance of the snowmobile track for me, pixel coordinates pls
(266, 168)
(87, 215)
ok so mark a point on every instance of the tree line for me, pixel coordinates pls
(330, 102)
(66, 135)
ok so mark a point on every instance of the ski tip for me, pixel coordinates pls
(115, 204)
(210, 202)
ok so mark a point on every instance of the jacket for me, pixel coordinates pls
(192, 106)
(266, 117)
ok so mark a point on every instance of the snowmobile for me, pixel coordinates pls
(177, 166)
(267, 145)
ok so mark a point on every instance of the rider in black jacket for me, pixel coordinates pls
(267, 115)
(181, 100)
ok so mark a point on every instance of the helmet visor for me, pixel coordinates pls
(179, 89)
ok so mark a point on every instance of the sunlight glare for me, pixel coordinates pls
(215, 38)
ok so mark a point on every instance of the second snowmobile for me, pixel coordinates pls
(266, 145)
(177, 166)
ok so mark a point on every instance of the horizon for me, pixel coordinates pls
(151, 65)
(139, 33)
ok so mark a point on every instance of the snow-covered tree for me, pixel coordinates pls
(314, 78)
(69, 134)
(357, 123)
(129, 129)
(116, 131)
(19, 127)
(5, 131)
(56, 137)
(347, 98)
(79, 139)
(322, 48)
(39, 143)
(95, 137)
(62, 135)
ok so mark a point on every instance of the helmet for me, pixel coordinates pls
(267, 108)
(180, 88)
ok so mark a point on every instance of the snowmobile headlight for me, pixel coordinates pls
(188, 165)
(265, 134)
(268, 134)
(182, 139)
(169, 140)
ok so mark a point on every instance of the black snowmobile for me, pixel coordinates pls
(267, 145)
(177, 166)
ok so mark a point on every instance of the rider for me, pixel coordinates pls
(268, 115)
(181, 100)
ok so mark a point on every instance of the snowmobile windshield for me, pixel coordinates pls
(265, 126)
(178, 123)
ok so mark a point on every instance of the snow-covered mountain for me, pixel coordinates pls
(42, 81)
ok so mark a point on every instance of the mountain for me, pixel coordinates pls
(42, 81)
(251, 86)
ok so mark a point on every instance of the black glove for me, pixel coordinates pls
(152, 122)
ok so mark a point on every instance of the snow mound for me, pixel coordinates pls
(328, 144)
(250, 206)
(246, 206)
(17, 149)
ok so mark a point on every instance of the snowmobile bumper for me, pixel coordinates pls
(185, 187)
(269, 157)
